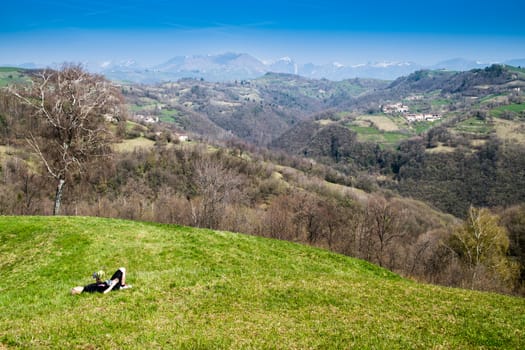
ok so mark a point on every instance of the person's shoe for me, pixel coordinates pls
(126, 286)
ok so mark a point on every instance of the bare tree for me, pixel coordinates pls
(384, 225)
(278, 218)
(70, 110)
(308, 218)
(215, 187)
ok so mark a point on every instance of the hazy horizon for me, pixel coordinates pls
(307, 31)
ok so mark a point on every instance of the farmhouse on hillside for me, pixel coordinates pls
(394, 108)
(399, 108)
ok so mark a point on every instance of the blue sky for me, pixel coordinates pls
(349, 32)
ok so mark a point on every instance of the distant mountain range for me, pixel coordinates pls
(242, 66)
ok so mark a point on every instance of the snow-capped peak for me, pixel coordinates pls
(386, 64)
(383, 64)
(128, 63)
(338, 65)
(285, 59)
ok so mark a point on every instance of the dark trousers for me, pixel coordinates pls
(117, 274)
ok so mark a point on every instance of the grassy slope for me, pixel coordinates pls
(129, 145)
(200, 289)
(9, 75)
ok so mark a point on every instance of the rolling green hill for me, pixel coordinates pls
(197, 288)
(10, 75)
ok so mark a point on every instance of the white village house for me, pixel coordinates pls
(182, 138)
(422, 117)
(399, 108)
(147, 118)
(394, 108)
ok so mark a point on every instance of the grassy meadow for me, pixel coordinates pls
(515, 108)
(199, 289)
(372, 134)
(131, 144)
(10, 76)
(474, 126)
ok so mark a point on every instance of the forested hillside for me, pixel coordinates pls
(255, 111)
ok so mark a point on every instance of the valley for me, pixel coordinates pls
(259, 110)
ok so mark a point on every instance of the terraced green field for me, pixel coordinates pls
(515, 108)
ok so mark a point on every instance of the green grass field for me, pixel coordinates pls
(440, 102)
(9, 75)
(515, 108)
(474, 126)
(489, 98)
(169, 115)
(422, 126)
(9, 70)
(199, 289)
(372, 134)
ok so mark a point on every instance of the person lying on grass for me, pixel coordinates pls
(116, 282)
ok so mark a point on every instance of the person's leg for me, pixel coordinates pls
(123, 283)
(77, 290)
(120, 274)
(123, 278)
(117, 276)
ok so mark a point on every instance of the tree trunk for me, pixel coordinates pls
(58, 196)
(193, 212)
